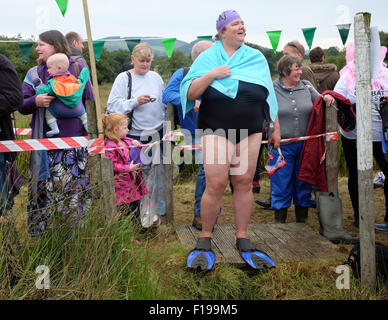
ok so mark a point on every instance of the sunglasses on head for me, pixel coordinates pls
(291, 44)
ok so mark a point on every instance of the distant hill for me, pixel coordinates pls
(155, 43)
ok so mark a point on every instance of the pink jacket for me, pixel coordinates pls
(129, 186)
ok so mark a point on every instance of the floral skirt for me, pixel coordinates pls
(66, 194)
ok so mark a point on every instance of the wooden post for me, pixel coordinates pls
(105, 172)
(94, 160)
(365, 150)
(108, 187)
(331, 152)
(93, 68)
(169, 165)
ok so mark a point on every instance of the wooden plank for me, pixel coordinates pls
(186, 237)
(224, 239)
(317, 245)
(259, 240)
(290, 242)
(297, 250)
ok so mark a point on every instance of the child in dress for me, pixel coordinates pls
(129, 183)
(67, 88)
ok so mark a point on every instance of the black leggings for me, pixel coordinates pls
(349, 147)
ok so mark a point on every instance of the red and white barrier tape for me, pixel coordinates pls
(96, 146)
(22, 132)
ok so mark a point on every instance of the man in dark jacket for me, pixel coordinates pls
(11, 97)
(326, 75)
(76, 44)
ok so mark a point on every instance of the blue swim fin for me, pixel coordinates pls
(255, 258)
(202, 256)
(381, 227)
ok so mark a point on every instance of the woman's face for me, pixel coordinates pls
(141, 65)
(234, 32)
(44, 50)
(294, 76)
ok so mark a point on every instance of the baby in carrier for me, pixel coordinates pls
(68, 89)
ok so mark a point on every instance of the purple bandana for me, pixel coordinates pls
(225, 18)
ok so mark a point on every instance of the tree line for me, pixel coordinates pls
(112, 63)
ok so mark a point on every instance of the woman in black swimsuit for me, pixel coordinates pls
(232, 132)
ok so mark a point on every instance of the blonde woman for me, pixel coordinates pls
(142, 97)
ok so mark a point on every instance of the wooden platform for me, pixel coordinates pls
(282, 242)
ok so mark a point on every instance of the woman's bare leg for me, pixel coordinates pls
(247, 152)
(217, 153)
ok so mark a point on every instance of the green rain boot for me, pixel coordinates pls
(329, 208)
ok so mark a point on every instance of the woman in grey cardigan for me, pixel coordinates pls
(295, 99)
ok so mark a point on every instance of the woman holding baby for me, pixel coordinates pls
(58, 179)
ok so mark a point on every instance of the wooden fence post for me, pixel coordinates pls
(102, 167)
(94, 160)
(364, 149)
(108, 187)
(331, 152)
(169, 165)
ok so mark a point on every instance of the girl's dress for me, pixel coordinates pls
(129, 185)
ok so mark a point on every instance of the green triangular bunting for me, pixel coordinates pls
(344, 31)
(131, 43)
(62, 4)
(209, 38)
(168, 44)
(97, 47)
(25, 49)
(309, 35)
(274, 37)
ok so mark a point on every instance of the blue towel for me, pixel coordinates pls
(246, 64)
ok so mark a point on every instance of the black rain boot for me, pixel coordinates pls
(301, 214)
(281, 215)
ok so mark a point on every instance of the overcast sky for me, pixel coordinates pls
(185, 20)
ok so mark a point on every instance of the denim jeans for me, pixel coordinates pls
(285, 185)
(200, 186)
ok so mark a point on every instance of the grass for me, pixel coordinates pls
(110, 260)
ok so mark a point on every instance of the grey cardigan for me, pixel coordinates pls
(295, 106)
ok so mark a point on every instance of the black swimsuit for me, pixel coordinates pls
(246, 111)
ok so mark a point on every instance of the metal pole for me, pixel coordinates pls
(365, 149)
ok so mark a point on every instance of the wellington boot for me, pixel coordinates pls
(330, 219)
(301, 214)
(281, 215)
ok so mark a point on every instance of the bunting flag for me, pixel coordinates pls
(168, 44)
(131, 43)
(309, 35)
(25, 49)
(62, 4)
(98, 45)
(344, 31)
(209, 38)
(274, 37)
